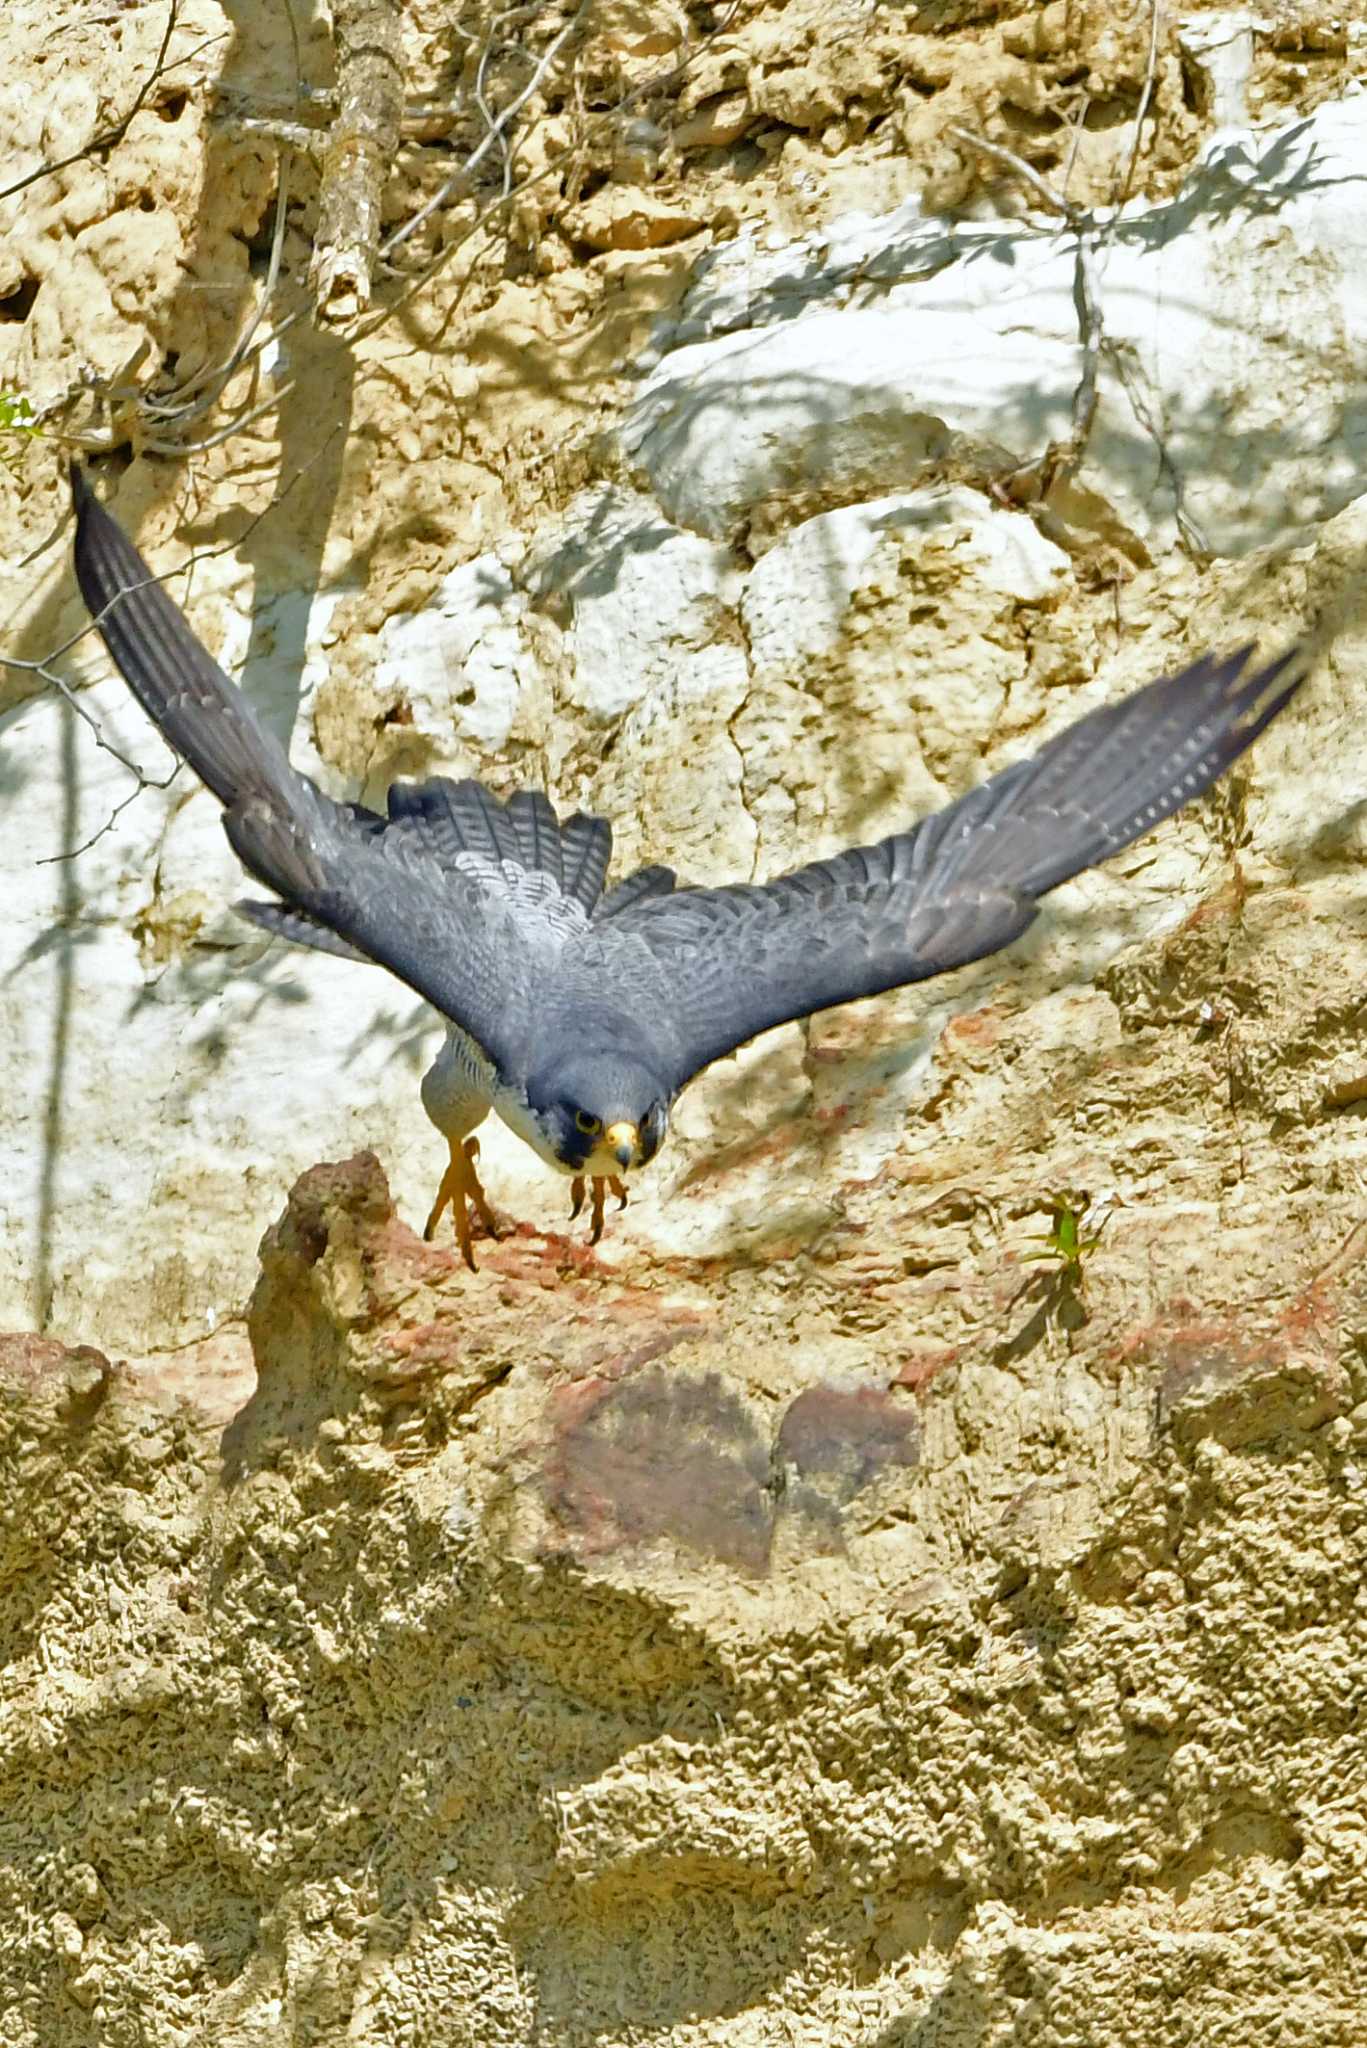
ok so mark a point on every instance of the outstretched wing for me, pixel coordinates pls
(959, 885)
(386, 889)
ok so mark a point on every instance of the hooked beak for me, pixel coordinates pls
(623, 1141)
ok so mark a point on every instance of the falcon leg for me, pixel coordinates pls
(459, 1188)
(597, 1182)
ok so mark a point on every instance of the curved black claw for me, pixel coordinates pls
(476, 1192)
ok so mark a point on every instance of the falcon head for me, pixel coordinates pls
(598, 1111)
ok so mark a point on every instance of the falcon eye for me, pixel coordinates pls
(589, 1125)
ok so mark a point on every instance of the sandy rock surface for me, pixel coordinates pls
(699, 1651)
(808, 1619)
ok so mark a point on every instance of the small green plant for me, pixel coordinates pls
(18, 424)
(1065, 1239)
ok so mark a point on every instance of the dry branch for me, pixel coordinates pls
(360, 154)
(1090, 238)
(495, 132)
(1061, 459)
(157, 423)
(107, 137)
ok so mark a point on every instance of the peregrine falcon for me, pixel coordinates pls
(579, 1012)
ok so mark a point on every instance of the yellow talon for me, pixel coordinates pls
(597, 1182)
(459, 1188)
(601, 1182)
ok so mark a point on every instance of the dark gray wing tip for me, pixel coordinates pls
(284, 921)
(1256, 693)
(92, 523)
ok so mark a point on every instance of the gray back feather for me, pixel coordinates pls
(456, 820)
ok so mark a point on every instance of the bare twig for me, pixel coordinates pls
(1091, 237)
(557, 166)
(60, 683)
(201, 392)
(459, 181)
(51, 860)
(1019, 168)
(304, 117)
(109, 136)
(1060, 459)
(492, 122)
(494, 137)
(1145, 96)
(106, 139)
(1075, 141)
(236, 425)
(293, 134)
(1187, 527)
(169, 413)
(141, 779)
(1091, 332)
(360, 153)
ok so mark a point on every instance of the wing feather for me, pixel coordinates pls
(651, 881)
(389, 893)
(730, 963)
(185, 693)
(538, 833)
(301, 930)
(697, 972)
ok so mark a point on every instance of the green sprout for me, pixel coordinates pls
(18, 424)
(1065, 1239)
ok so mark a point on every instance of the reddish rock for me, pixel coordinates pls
(657, 1457)
(1240, 1384)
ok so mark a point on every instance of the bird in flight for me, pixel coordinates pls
(577, 1011)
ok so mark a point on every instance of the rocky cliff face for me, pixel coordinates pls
(697, 1651)
(807, 1619)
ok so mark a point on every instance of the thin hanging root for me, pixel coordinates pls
(459, 1187)
(598, 1182)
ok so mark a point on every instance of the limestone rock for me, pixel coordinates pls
(627, 217)
(859, 364)
(715, 123)
(460, 665)
(580, 1625)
